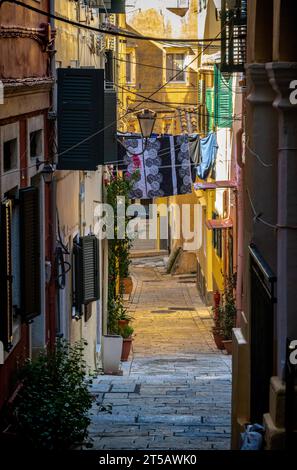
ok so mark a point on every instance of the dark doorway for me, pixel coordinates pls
(262, 333)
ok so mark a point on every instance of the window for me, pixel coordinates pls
(129, 68)
(217, 238)
(174, 63)
(36, 147)
(10, 153)
(86, 272)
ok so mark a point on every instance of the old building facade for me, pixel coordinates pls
(27, 236)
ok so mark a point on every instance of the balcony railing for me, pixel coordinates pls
(234, 28)
(179, 7)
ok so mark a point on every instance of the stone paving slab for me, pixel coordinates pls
(175, 391)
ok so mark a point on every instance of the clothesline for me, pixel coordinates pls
(161, 155)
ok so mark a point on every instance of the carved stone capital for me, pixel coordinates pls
(258, 82)
(281, 74)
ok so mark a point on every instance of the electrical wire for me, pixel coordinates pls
(123, 33)
(176, 75)
(128, 112)
(258, 218)
(266, 165)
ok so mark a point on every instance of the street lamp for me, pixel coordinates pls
(47, 171)
(146, 119)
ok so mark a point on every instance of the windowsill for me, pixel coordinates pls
(176, 83)
(11, 171)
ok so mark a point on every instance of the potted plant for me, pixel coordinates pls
(123, 317)
(126, 282)
(228, 315)
(113, 341)
(51, 408)
(216, 329)
(126, 333)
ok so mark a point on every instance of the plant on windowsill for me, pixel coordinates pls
(51, 408)
(228, 313)
(126, 333)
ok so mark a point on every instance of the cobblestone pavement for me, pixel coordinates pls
(175, 391)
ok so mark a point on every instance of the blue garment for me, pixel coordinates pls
(208, 153)
(252, 438)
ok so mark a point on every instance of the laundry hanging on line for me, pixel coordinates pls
(166, 166)
(208, 148)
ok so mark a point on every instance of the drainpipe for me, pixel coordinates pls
(239, 178)
(51, 291)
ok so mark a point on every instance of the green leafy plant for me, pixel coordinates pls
(51, 409)
(227, 311)
(118, 249)
(127, 331)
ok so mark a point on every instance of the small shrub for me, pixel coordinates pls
(51, 409)
(127, 331)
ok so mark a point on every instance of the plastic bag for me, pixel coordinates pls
(252, 438)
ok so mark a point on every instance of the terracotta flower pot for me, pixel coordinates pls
(228, 345)
(127, 345)
(127, 285)
(123, 323)
(218, 339)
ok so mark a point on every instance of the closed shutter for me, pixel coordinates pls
(110, 123)
(223, 99)
(86, 273)
(77, 294)
(90, 252)
(30, 253)
(6, 311)
(80, 119)
(109, 68)
(209, 108)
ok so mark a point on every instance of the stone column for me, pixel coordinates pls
(281, 74)
(260, 171)
(259, 178)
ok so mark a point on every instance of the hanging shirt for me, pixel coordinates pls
(208, 152)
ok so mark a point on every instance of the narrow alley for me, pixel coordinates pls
(175, 391)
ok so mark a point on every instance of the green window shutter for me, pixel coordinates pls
(90, 274)
(86, 271)
(6, 311)
(209, 108)
(30, 253)
(80, 116)
(223, 99)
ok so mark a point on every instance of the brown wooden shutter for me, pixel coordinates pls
(6, 311)
(30, 253)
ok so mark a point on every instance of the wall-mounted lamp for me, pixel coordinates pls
(47, 171)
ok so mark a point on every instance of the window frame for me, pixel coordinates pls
(173, 70)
